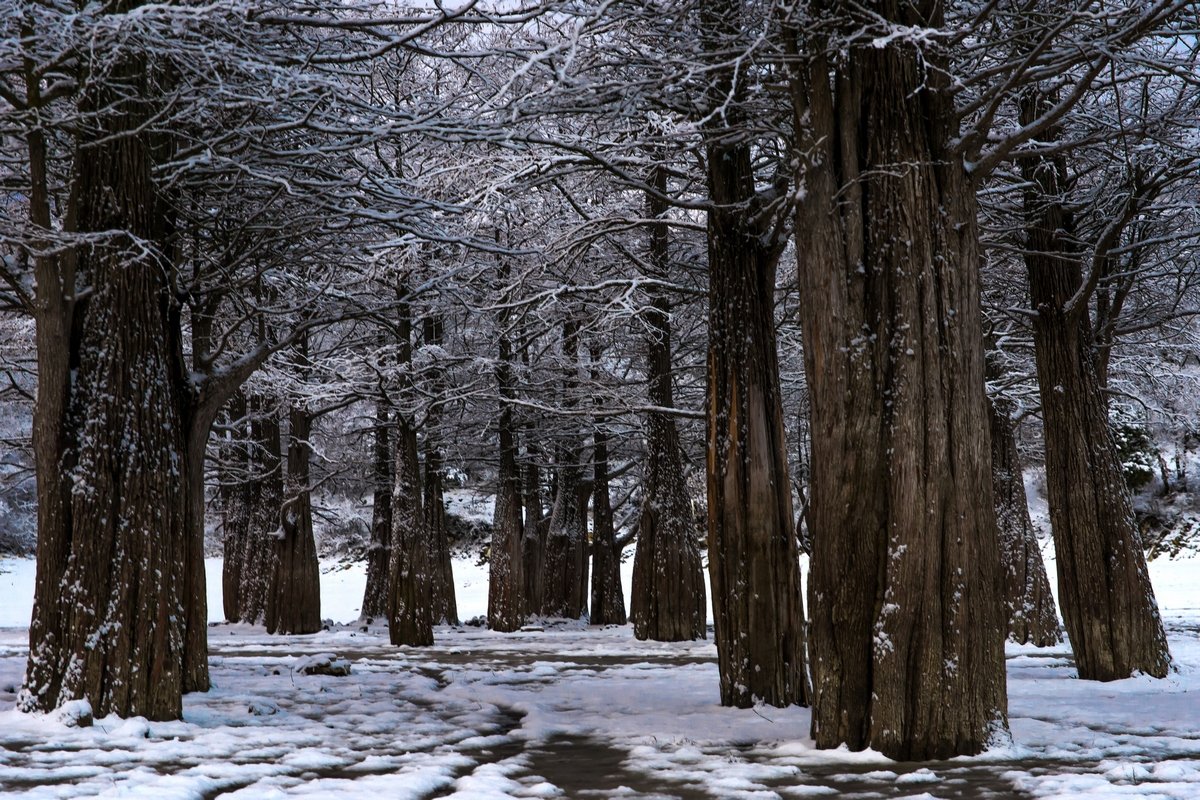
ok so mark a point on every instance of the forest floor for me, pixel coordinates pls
(578, 712)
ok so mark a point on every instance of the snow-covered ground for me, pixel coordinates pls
(574, 712)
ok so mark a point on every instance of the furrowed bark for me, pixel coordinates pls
(907, 627)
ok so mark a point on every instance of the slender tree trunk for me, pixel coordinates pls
(1107, 601)
(445, 609)
(565, 554)
(533, 538)
(234, 496)
(110, 442)
(1032, 617)
(608, 600)
(375, 597)
(667, 597)
(410, 611)
(264, 493)
(294, 602)
(753, 560)
(507, 599)
(905, 589)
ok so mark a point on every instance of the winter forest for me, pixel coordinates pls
(600, 398)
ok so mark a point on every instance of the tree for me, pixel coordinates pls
(445, 609)
(667, 602)
(753, 557)
(608, 600)
(294, 599)
(1108, 603)
(410, 610)
(564, 565)
(382, 480)
(508, 597)
(906, 633)
(1032, 616)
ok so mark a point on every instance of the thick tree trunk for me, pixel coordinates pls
(907, 624)
(753, 559)
(565, 556)
(410, 611)
(445, 609)
(608, 599)
(1107, 601)
(294, 602)
(667, 597)
(109, 610)
(507, 600)
(375, 597)
(1032, 617)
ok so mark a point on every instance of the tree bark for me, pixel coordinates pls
(608, 599)
(109, 611)
(753, 560)
(905, 589)
(264, 493)
(410, 611)
(1032, 616)
(667, 597)
(375, 596)
(445, 609)
(565, 556)
(533, 537)
(507, 599)
(1108, 604)
(294, 602)
(234, 496)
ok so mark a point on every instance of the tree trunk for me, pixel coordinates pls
(907, 631)
(608, 599)
(445, 609)
(375, 597)
(565, 556)
(1032, 617)
(109, 436)
(507, 599)
(753, 560)
(264, 497)
(533, 538)
(667, 597)
(1107, 601)
(294, 602)
(410, 611)
(234, 496)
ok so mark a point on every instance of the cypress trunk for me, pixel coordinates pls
(445, 609)
(667, 597)
(294, 601)
(1032, 617)
(608, 600)
(533, 537)
(109, 443)
(410, 611)
(753, 559)
(565, 555)
(375, 595)
(264, 492)
(907, 626)
(507, 599)
(1108, 604)
(234, 497)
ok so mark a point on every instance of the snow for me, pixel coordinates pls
(572, 711)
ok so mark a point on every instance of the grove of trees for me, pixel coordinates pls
(730, 281)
